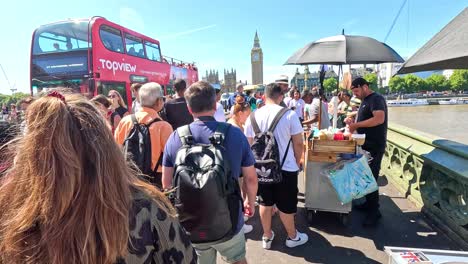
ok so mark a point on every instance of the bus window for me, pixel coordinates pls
(111, 38)
(66, 36)
(134, 46)
(104, 88)
(152, 51)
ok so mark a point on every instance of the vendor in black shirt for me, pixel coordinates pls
(371, 120)
(175, 111)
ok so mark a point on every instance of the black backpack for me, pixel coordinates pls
(207, 198)
(266, 152)
(137, 147)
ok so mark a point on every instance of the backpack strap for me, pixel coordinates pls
(159, 163)
(254, 123)
(185, 135)
(134, 120)
(277, 119)
(220, 134)
(285, 154)
(153, 121)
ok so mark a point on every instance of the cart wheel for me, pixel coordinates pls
(310, 216)
(345, 219)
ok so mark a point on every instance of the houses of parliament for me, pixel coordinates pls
(229, 81)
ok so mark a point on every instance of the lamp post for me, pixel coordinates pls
(296, 75)
(306, 76)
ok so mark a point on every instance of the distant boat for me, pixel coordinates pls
(407, 102)
(453, 101)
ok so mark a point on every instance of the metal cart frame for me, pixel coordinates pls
(319, 192)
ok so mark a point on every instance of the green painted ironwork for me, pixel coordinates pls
(432, 172)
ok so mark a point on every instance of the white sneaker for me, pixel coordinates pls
(301, 239)
(247, 228)
(266, 242)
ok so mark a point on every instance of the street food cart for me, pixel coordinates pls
(319, 192)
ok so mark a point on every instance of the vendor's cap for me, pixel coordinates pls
(358, 82)
(282, 79)
(239, 85)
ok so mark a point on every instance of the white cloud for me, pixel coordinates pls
(290, 35)
(187, 32)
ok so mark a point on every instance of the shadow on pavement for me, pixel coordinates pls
(402, 225)
(317, 250)
(396, 228)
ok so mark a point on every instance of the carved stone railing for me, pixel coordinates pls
(433, 173)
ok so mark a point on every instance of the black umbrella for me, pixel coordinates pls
(344, 49)
(448, 49)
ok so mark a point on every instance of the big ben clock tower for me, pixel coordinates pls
(256, 57)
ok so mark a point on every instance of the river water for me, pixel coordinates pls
(447, 121)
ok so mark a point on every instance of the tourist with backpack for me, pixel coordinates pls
(143, 135)
(201, 167)
(276, 138)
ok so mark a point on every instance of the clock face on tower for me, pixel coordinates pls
(255, 57)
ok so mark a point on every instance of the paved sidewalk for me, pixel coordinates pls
(330, 242)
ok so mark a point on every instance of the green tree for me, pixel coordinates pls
(12, 99)
(437, 82)
(372, 79)
(413, 83)
(459, 80)
(397, 84)
(330, 85)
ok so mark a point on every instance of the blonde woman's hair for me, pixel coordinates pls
(67, 196)
(120, 101)
(241, 105)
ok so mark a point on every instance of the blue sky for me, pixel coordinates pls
(219, 34)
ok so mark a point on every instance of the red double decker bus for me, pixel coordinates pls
(93, 56)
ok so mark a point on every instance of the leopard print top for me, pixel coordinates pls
(156, 237)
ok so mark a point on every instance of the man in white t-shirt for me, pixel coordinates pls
(284, 193)
(219, 114)
(297, 104)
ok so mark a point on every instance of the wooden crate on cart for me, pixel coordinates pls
(320, 150)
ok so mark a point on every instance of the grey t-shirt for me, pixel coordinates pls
(313, 111)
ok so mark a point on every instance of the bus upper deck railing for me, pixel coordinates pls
(179, 63)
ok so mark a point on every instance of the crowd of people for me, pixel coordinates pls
(166, 181)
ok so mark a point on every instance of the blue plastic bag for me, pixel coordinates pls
(351, 179)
